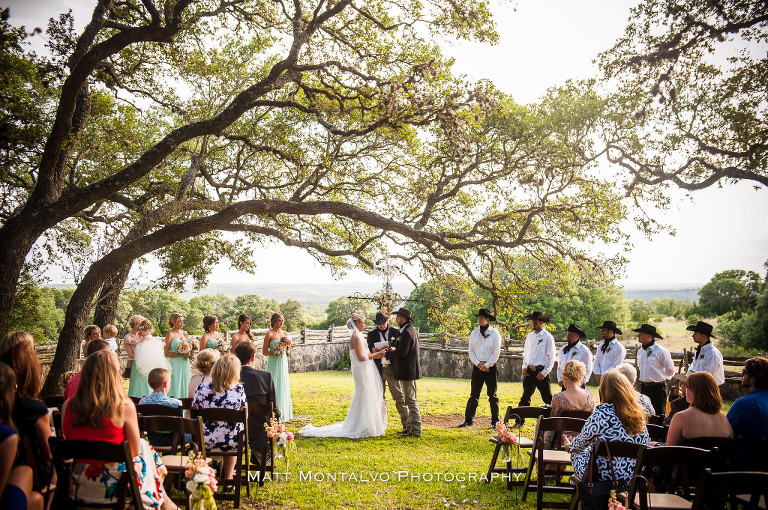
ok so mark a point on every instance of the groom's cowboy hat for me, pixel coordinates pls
(573, 328)
(404, 312)
(380, 319)
(485, 313)
(612, 326)
(647, 328)
(702, 327)
(537, 316)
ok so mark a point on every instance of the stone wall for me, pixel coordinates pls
(310, 357)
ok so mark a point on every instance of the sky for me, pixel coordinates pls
(542, 44)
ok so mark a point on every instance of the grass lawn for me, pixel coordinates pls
(412, 466)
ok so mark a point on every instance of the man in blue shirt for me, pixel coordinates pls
(749, 414)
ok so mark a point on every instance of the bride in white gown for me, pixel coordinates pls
(367, 414)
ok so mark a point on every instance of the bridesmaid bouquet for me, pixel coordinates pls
(284, 346)
(507, 440)
(218, 344)
(187, 347)
(282, 438)
(201, 482)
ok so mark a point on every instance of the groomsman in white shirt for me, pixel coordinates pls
(656, 367)
(707, 358)
(610, 354)
(538, 360)
(484, 350)
(574, 349)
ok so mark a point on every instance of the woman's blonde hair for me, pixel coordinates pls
(173, 318)
(615, 389)
(100, 393)
(574, 370)
(7, 394)
(144, 324)
(134, 320)
(205, 360)
(225, 372)
(17, 350)
(357, 318)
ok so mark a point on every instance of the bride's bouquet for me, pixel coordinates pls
(507, 439)
(282, 438)
(201, 482)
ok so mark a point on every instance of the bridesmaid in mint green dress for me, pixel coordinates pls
(180, 365)
(278, 366)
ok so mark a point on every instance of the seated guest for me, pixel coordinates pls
(110, 332)
(748, 415)
(160, 381)
(93, 346)
(630, 372)
(15, 482)
(618, 418)
(204, 362)
(703, 418)
(30, 415)
(101, 411)
(574, 397)
(259, 387)
(224, 391)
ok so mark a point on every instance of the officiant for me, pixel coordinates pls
(385, 336)
(484, 350)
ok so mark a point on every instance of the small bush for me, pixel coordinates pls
(344, 362)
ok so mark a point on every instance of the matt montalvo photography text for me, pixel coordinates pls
(384, 476)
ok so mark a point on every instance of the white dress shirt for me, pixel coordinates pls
(655, 364)
(612, 357)
(484, 349)
(539, 350)
(709, 360)
(383, 338)
(578, 352)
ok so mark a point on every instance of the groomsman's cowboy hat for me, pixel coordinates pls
(612, 326)
(647, 328)
(485, 313)
(404, 312)
(537, 316)
(380, 319)
(702, 327)
(576, 329)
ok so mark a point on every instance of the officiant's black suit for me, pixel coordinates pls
(406, 355)
(373, 337)
(259, 387)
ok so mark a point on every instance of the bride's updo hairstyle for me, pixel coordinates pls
(134, 320)
(357, 319)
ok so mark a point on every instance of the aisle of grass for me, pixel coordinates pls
(411, 465)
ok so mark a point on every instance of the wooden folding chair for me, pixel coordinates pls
(135, 400)
(618, 449)
(727, 450)
(657, 433)
(551, 462)
(158, 410)
(519, 415)
(186, 403)
(746, 488)
(231, 416)
(656, 419)
(175, 456)
(683, 463)
(56, 421)
(43, 486)
(66, 450)
(573, 413)
(264, 412)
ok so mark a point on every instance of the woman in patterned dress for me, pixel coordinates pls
(619, 417)
(224, 391)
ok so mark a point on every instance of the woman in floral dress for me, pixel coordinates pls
(224, 391)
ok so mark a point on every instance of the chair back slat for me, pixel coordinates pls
(178, 426)
(574, 413)
(657, 433)
(716, 489)
(521, 413)
(158, 410)
(561, 424)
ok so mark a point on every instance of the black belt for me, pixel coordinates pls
(651, 383)
(536, 368)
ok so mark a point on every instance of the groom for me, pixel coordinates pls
(407, 370)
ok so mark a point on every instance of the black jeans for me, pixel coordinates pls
(479, 378)
(658, 395)
(530, 383)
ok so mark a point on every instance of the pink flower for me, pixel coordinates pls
(290, 436)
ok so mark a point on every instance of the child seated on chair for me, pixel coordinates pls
(159, 380)
(110, 332)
